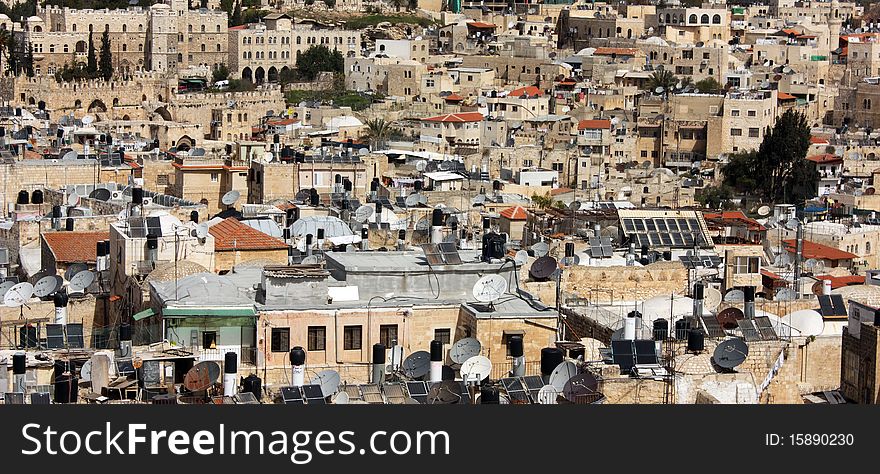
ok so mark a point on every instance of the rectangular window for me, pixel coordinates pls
(505, 340)
(209, 339)
(351, 338)
(754, 133)
(736, 132)
(746, 265)
(162, 180)
(443, 335)
(317, 338)
(215, 177)
(752, 113)
(734, 113)
(388, 335)
(280, 340)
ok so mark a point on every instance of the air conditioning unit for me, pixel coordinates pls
(148, 201)
(115, 195)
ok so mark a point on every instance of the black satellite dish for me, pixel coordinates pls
(445, 393)
(417, 364)
(579, 386)
(543, 268)
(101, 194)
(730, 353)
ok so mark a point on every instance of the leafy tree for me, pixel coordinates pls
(28, 61)
(708, 85)
(330, 3)
(378, 130)
(106, 61)
(235, 19)
(543, 202)
(92, 58)
(220, 73)
(777, 171)
(7, 44)
(662, 78)
(319, 58)
(716, 197)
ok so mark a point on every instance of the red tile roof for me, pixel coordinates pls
(819, 251)
(784, 96)
(530, 91)
(837, 282)
(825, 158)
(734, 217)
(454, 97)
(594, 124)
(818, 141)
(459, 118)
(74, 247)
(516, 213)
(557, 191)
(482, 24)
(230, 234)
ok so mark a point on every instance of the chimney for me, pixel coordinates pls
(749, 304)
(518, 368)
(378, 374)
(230, 374)
(436, 361)
(297, 366)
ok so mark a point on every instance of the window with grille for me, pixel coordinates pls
(388, 334)
(280, 339)
(352, 336)
(317, 338)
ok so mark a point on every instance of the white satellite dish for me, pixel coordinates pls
(87, 120)
(341, 398)
(792, 224)
(711, 299)
(364, 213)
(46, 286)
(521, 258)
(80, 282)
(85, 372)
(464, 349)
(764, 211)
(230, 198)
(4, 287)
(477, 368)
(562, 373)
(328, 380)
(73, 199)
(268, 157)
(70, 155)
(785, 294)
(202, 230)
(311, 260)
(541, 249)
(421, 165)
(809, 322)
(548, 395)
(413, 200)
(735, 296)
(18, 294)
(489, 288)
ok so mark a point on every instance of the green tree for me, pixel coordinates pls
(106, 61)
(708, 85)
(397, 4)
(378, 130)
(28, 61)
(92, 58)
(662, 78)
(412, 4)
(220, 73)
(319, 58)
(777, 172)
(543, 202)
(330, 3)
(715, 197)
(235, 19)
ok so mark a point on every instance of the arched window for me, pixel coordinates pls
(203, 47)
(716, 19)
(692, 19)
(704, 19)
(203, 28)
(124, 47)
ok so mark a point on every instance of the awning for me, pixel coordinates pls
(222, 312)
(143, 314)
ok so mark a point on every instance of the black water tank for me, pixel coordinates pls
(667, 255)
(374, 185)
(550, 358)
(569, 249)
(230, 363)
(401, 234)
(56, 212)
(320, 233)
(493, 246)
(749, 294)
(66, 388)
(60, 299)
(19, 362)
(69, 224)
(314, 197)
(37, 197)
(486, 223)
(515, 345)
(152, 241)
(417, 185)
(661, 329)
(699, 291)
(437, 218)
(137, 196)
(346, 185)
(194, 216)
(682, 326)
(695, 340)
(297, 356)
(489, 395)
(309, 239)
(365, 233)
(378, 354)
(125, 332)
(253, 384)
(23, 197)
(436, 351)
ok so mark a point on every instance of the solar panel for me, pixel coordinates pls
(433, 254)
(55, 336)
(371, 394)
(765, 328)
(658, 231)
(645, 352)
(313, 394)
(14, 398)
(75, 339)
(450, 253)
(291, 396)
(711, 327)
(826, 307)
(353, 392)
(40, 398)
(394, 393)
(137, 228)
(622, 355)
(124, 367)
(154, 226)
(416, 388)
(839, 305)
(749, 332)
(516, 391)
(245, 398)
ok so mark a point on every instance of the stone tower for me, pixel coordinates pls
(161, 51)
(834, 25)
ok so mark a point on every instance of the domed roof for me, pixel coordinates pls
(160, 6)
(165, 271)
(30, 18)
(3, 17)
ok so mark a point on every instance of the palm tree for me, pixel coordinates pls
(378, 130)
(543, 202)
(662, 78)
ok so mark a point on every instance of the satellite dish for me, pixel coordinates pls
(489, 288)
(87, 120)
(202, 230)
(18, 294)
(541, 249)
(80, 282)
(464, 349)
(421, 165)
(417, 364)
(792, 224)
(579, 386)
(543, 267)
(85, 372)
(4, 287)
(764, 211)
(476, 369)
(734, 296)
(311, 260)
(70, 155)
(46, 286)
(101, 194)
(521, 258)
(423, 225)
(444, 393)
(659, 90)
(328, 380)
(341, 398)
(364, 213)
(562, 373)
(711, 298)
(73, 199)
(548, 395)
(785, 294)
(809, 322)
(201, 376)
(728, 318)
(268, 157)
(413, 200)
(574, 205)
(230, 198)
(730, 353)
(810, 264)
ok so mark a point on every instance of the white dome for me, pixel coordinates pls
(31, 19)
